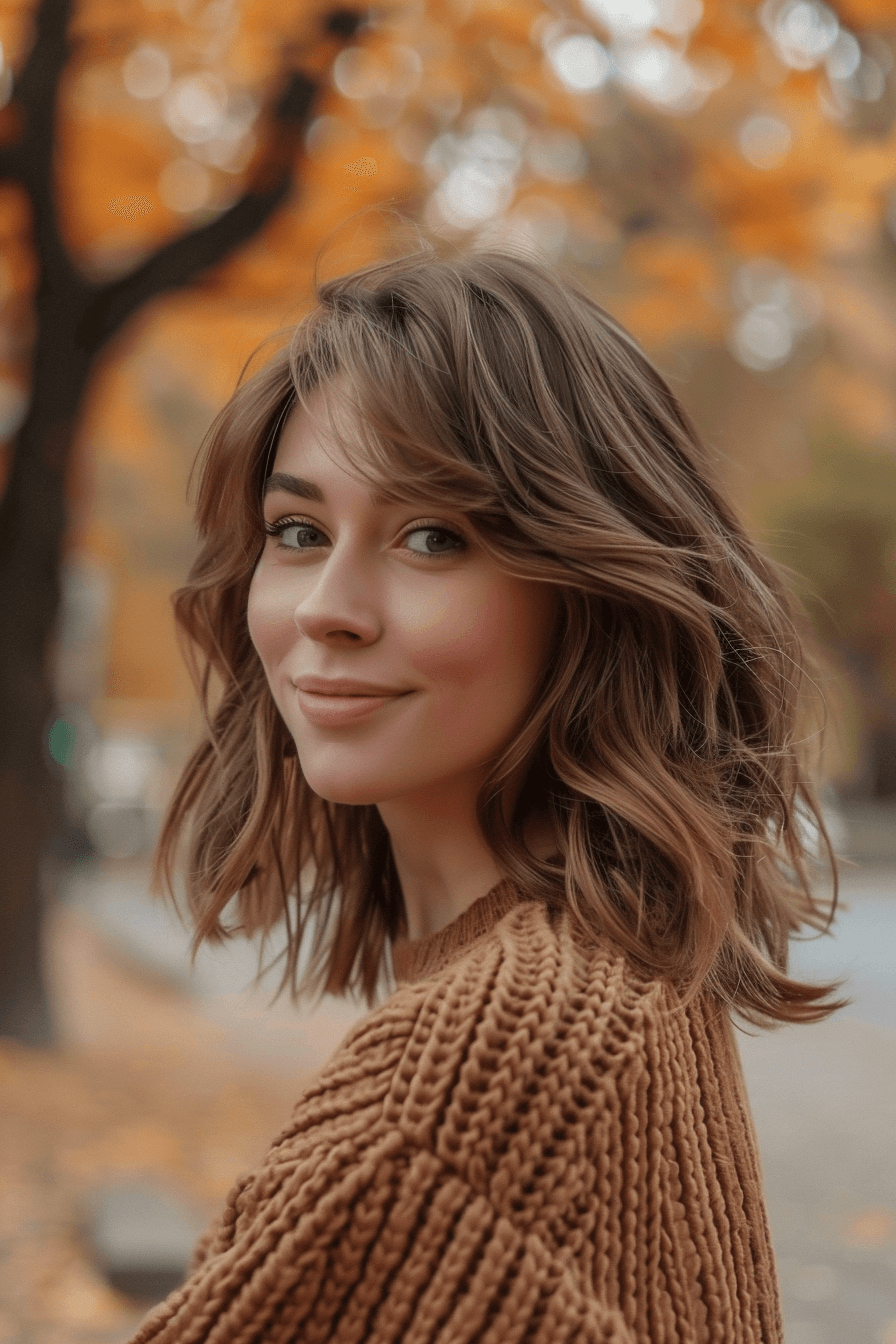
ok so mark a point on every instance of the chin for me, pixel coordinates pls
(354, 791)
(348, 782)
(353, 797)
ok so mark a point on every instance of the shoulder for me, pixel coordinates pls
(527, 989)
(529, 1007)
(518, 1066)
(531, 986)
(526, 1062)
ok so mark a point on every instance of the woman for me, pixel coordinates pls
(507, 695)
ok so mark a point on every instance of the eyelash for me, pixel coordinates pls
(277, 529)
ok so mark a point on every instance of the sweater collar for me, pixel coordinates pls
(414, 958)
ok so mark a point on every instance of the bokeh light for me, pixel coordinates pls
(120, 774)
(147, 71)
(537, 221)
(657, 71)
(803, 31)
(764, 140)
(476, 169)
(635, 18)
(185, 186)
(359, 74)
(844, 57)
(194, 107)
(580, 61)
(775, 310)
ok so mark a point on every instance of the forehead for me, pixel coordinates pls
(305, 432)
(308, 452)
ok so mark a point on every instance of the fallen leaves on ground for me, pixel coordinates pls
(141, 1086)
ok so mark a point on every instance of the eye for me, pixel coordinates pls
(444, 540)
(297, 534)
(285, 527)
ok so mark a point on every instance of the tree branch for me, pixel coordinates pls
(188, 255)
(10, 164)
(36, 92)
(185, 257)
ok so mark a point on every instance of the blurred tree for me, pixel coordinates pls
(715, 171)
(838, 533)
(75, 320)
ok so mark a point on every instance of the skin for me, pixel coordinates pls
(353, 592)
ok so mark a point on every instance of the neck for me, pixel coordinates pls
(443, 860)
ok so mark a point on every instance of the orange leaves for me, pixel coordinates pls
(665, 314)
(683, 297)
(18, 264)
(12, 123)
(507, 23)
(130, 1147)
(16, 29)
(681, 262)
(378, 68)
(74, 1295)
(849, 218)
(761, 211)
(843, 225)
(100, 159)
(144, 662)
(872, 165)
(145, 1086)
(822, 198)
(866, 13)
(735, 42)
(858, 401)
(685, 178)
(731, 31)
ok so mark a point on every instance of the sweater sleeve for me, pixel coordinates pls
(381, 1246)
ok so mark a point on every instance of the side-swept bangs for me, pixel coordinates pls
(669, 744)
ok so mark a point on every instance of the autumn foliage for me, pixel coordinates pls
(710, 139)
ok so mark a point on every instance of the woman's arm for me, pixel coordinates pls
(386, 1246)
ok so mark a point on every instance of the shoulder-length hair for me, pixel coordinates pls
(663, 743)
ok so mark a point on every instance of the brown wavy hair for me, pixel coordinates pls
(666, 743)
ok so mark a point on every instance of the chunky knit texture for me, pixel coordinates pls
(527, 1143)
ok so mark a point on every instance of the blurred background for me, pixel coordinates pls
(721, 175)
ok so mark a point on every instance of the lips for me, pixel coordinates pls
(331, 686)
(333, 711)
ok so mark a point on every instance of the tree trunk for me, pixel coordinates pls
(32, 531)
(75, 321)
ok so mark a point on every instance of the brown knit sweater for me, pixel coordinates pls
(524, 1144)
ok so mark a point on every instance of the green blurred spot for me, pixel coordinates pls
(62, 742)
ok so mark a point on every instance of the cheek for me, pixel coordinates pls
(269, 617)
(495, 632)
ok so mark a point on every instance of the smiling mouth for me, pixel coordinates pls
(331, 711)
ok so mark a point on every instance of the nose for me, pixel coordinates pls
(341, 608)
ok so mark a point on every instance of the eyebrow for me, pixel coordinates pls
(293, 485)
(297, 485)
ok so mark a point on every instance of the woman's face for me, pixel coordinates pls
(398, 596)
